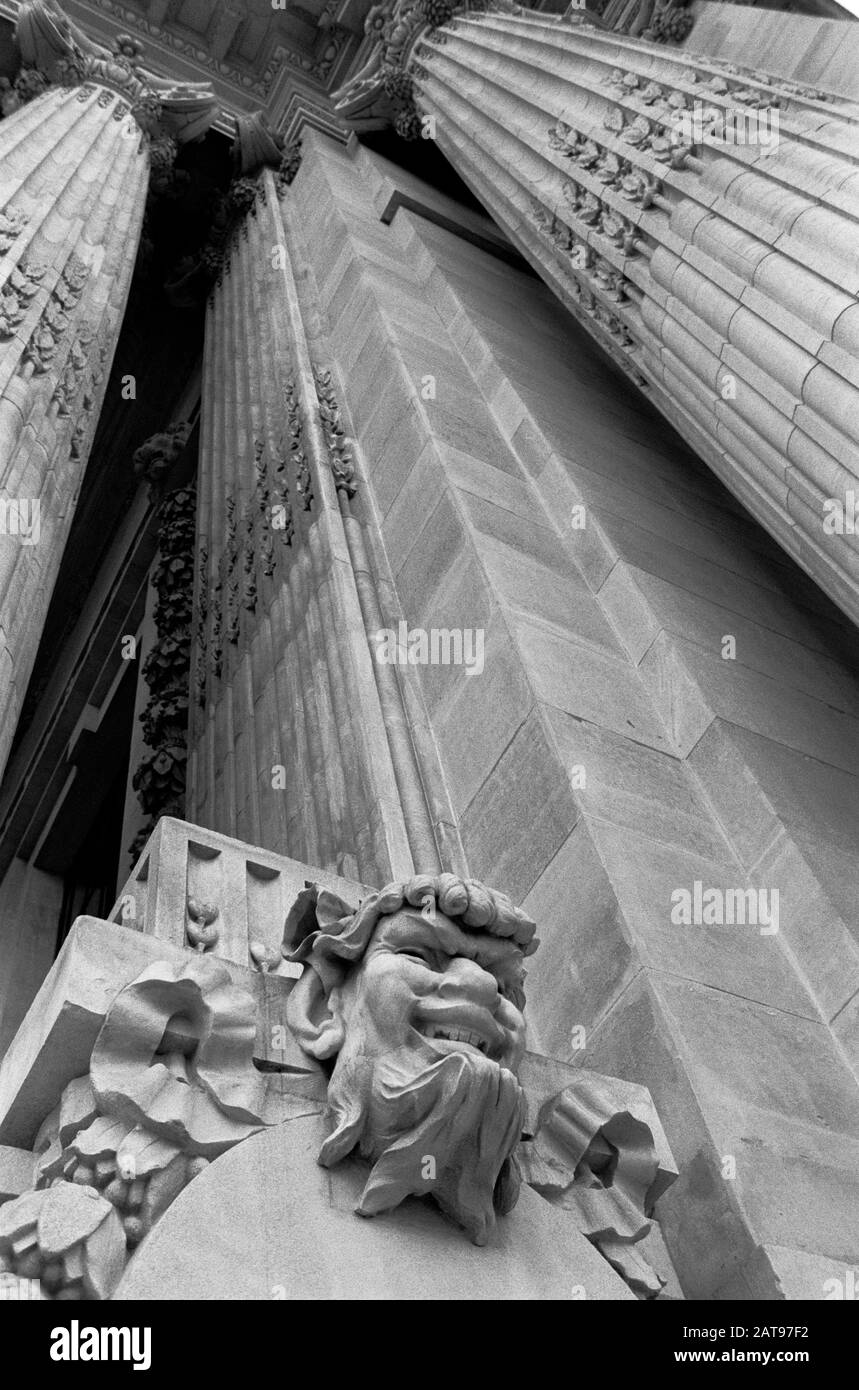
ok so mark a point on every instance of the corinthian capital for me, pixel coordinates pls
(380, 93)
(51, 42)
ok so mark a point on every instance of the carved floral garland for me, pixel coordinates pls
(160, 779)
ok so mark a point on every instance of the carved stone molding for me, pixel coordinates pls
(258, 82)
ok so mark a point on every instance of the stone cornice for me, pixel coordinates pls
(318, 67)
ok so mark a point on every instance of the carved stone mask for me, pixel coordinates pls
(423, 1013)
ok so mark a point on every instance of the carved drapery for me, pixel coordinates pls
(171, 1085)
(612, 1200)
(700, 221)
(74, 169)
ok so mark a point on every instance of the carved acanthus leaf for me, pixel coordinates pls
(51, 43)
(593, 1156)
(339, 449)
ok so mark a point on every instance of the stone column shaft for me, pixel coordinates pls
(720, 271)
(74, 173)
(74, 170)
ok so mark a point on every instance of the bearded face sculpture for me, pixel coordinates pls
(417, 1001)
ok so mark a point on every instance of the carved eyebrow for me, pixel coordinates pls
(500, 957)
(413, 934)
(411, 929)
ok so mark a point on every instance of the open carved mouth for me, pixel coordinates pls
(459, 1036)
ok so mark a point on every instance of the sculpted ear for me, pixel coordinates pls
(313, 1016)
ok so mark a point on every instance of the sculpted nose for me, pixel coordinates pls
(463, 979)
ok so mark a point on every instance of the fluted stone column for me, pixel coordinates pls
(74, 171)
(719, 271)
(298, 740)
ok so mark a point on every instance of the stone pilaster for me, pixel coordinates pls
(699, 219)
(74, 171)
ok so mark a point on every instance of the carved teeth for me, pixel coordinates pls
(458, 1035)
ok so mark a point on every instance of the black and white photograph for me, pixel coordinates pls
(429, 676)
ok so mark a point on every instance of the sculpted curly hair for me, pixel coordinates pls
(323, 926)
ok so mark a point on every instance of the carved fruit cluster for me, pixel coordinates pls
(29, 84)
(437, 12)
(137, 1200)
(289, 166)
(407, 124)
(244, 195)
(398, 85)
(672, 26)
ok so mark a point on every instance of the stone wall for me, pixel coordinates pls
(608, 754)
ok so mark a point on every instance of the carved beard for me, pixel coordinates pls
(463, 1111)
